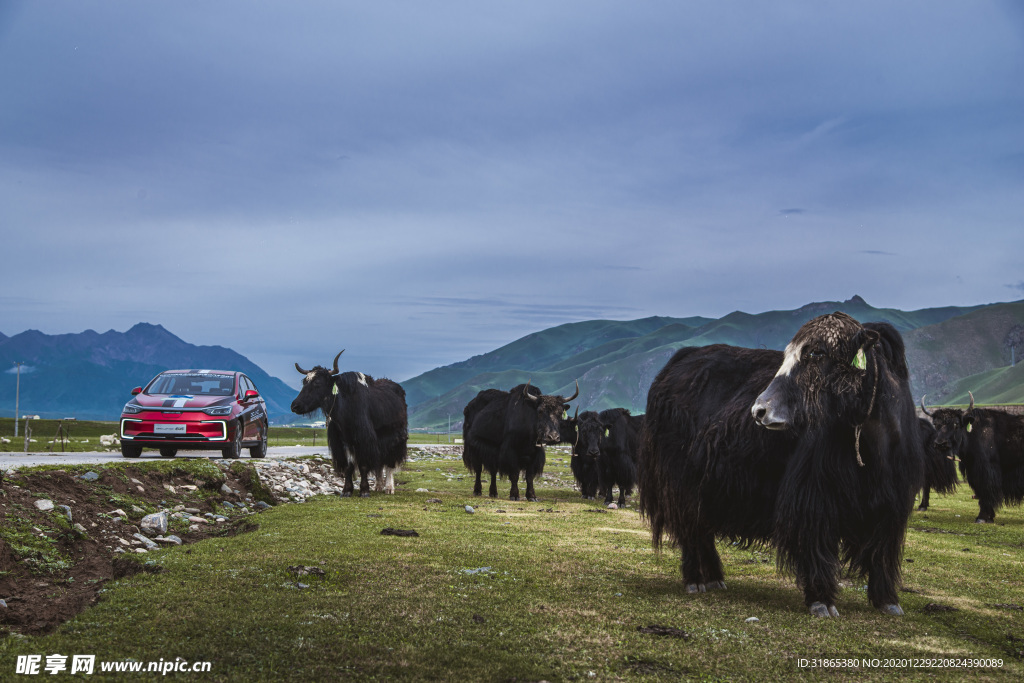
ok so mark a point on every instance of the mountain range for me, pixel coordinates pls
(90, 375)
(950, 351)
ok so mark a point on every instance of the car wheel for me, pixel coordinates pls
(235, 449)
(129, 450)
(168, 452)
(260, 451)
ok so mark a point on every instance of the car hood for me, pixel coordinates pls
(183, 401)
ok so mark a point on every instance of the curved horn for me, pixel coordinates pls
(922, 406)
(304, 372)
(576, 394)
(972, 401)
(335, 371)
(526, 392)
(576, 415)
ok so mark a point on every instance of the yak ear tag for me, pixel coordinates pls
(969, 425)
(860, 361)
(607, 431)
(334, 389)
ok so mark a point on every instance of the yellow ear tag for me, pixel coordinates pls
(334, 389)
(860, 361)
(606, 432)
(969, 425)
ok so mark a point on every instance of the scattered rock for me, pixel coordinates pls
(145, 541)
(422, 491)
(170, 540)
(67, 512)
(613, 506)
(434, 500)
(752, 620)
(44, 504)
(90, 476)
(154, 524)
(469, 509)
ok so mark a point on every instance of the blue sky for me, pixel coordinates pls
(422, 182)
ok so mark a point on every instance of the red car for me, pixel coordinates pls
(195, 410)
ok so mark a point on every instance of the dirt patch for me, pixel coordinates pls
(53, 561)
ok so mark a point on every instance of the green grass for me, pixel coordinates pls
(566, 587)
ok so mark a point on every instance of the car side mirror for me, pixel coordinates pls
(136, 391)
(250, 394)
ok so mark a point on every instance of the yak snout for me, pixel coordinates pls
(769, 411)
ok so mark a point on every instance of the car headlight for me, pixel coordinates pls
(218, 410)
(132, 409)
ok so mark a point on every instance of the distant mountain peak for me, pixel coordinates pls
(856, 299)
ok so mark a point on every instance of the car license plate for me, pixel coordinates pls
(169, 429)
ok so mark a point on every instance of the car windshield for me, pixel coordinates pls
(199, 384)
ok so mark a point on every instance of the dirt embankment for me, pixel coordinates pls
(64, 533)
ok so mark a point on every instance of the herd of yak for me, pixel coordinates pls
(816, 450)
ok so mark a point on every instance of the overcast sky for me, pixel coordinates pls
(422, 182)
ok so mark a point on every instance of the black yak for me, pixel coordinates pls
(619, 452)
(939, 465)
(990, 446)
(504, 432)
(586, 453)
(814, 450)
(367, 424)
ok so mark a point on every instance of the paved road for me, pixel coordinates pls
(9, 461)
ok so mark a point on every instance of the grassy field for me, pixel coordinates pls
(85, 436)
(554, 590)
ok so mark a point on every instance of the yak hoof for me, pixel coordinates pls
(979, 520)
(534, 499)
(364, 494)
(922, 508)
(696, 588)
(717, 584)
(894, 610)
(346, 494)
(820, 609)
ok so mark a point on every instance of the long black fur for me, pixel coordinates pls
(939, 466)
(586, 453)
(707, 470)
(367, 422)
(991, 454)
(504, 432)
(619, 452)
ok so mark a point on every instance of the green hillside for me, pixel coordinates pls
(616, 366)
(961, 347)
(537, 351)
(1000, 386)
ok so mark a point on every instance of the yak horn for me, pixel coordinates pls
(336, 371)
(922, 406)
(576, 394)
(972, 401)
(304, 372)
(526, 392)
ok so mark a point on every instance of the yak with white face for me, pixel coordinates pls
(367, 424)
(815, 451)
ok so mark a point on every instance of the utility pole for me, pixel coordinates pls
(17, 394)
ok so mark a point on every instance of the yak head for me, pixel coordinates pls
(823, 377)
(317, 388)
(543, 411)
(952, 426)
(591, 431)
